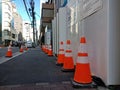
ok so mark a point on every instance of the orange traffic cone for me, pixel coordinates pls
(61, 55)
(43, 48)
(9, 52)
(26, 48)
(50, 53)
(82, 76)
(46, 49)
(68, 64)
(21, 48)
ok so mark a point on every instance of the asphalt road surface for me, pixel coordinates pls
(35, 70)
(33, 66)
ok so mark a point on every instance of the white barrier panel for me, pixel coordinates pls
(98, 21)
(102, 31)
(57, 33)
(62, 26)
(72, 20)
(53, 35)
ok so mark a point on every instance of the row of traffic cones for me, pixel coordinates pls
(22, 48)
(82, 76)
(9, 51)
(47, 49)
(68, 64)
(65, 57)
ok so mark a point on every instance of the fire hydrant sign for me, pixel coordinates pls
(88, 7)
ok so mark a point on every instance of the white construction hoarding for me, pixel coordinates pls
(98, 21)
(62, 25)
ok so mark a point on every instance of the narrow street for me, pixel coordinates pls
(33, 67)
(37, 37)
(34, 70)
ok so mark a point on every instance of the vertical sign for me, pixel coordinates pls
(63, 3)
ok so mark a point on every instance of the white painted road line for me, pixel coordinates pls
(5, 59)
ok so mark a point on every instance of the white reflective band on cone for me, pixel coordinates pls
(9, 49)
(68, 47)
(83, 60)
(68, 54)
(61, 45)
(82, 48)
(61, 52)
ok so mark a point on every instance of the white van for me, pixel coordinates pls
(29, 44)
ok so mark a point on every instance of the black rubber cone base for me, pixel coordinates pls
(79, 85)
(8, 56)
(59, 64)
(68, 70)
(50, 55)
(98, 81)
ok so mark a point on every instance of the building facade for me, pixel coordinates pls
(18, 25)
(7, 22)
(47, 14)
(10, 23)
(28, 31)
(58, 4)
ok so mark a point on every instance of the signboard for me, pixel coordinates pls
(63, 3)
(88, 7)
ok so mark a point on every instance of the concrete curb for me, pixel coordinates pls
(5, 59)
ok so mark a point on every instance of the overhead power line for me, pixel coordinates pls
(32, 3)
(26, 9)
(27, 2)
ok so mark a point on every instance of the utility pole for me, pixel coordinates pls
(36, 32)
(33, 17)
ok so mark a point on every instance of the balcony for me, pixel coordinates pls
(47, 6)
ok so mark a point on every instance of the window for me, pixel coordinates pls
(13, 35)
(7, 7)
(6, 24)
(7, 15)
(6, 32)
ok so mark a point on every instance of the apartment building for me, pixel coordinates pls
(7, 22)
(28, 31)
(18, 23)
(10, 23)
